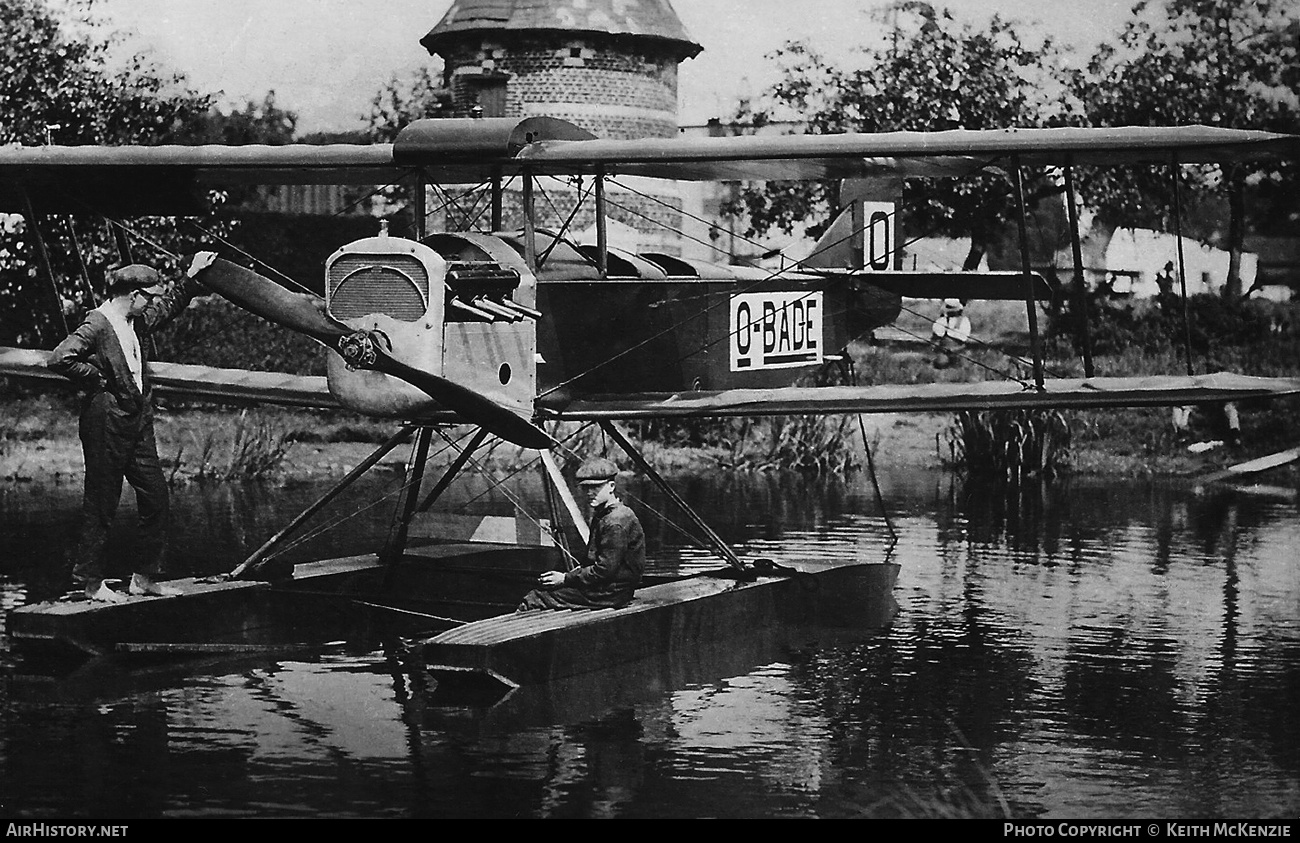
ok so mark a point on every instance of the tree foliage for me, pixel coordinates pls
(264, 123)
(1229, 63)
(403, 100)
(932, 74)
(62, 81)
(56, 70)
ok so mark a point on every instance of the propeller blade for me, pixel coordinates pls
(473, 406)
(305, 313)
(301, 312)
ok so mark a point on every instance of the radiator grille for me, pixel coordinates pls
(395, 285)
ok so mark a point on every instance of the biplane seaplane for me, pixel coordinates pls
(514, 331)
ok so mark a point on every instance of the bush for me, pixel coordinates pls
(1157, 323)
(214, 332)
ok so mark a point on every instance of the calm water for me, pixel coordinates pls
(1104, 650)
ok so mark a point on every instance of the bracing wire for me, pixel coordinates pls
(470, 218)
(518, 502)
(520, 469)
(366, 507)
(577, 206)
(694, 539)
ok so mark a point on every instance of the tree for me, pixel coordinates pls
(402, 101)
(58, 84)
(57, 76)
(931, 74)
(264, 123)
(1230, 63)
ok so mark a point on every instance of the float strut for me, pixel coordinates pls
(719, 546)
(452, 470)
(396, 547)
(557, 483)
(352, 476)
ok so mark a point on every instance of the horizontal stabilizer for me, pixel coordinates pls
(984, 286)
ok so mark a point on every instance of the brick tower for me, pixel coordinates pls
(609, 66)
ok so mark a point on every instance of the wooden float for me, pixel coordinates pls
(502, 649)
(1255, 466)
(489, 708)
(318, 601)
(545, 646)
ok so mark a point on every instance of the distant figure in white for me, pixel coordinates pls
(951, 331)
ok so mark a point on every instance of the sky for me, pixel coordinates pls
(325, 59)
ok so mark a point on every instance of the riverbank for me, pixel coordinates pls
(38, 442)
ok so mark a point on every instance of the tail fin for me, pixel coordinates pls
(865, 234)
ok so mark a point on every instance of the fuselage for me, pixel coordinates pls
(651, 324)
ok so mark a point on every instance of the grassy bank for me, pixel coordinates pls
(38, 441)
(1251, 338)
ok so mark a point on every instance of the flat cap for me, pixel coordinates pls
(597, 470)
(137, 276)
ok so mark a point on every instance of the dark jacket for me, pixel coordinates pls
(92, 357)
(615, 554)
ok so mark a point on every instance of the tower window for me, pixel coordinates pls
(489, 94)
(574, 55)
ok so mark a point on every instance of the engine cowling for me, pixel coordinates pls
(470, 321)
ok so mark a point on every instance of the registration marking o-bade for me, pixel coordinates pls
(776, 329)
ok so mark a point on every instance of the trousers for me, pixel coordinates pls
(117, 448)
(568, 597)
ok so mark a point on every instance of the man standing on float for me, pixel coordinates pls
(105, 357)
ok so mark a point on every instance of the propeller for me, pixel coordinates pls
(305, 313)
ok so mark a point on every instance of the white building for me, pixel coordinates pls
(1140, 254)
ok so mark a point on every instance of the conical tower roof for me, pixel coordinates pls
(636, 19)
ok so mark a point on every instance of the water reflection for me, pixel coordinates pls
(1096, 650)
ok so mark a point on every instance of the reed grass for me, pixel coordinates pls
(1011, 446)
(254, 449)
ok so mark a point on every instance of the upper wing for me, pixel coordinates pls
(1075, 393)
(949, 153)
(173, 179)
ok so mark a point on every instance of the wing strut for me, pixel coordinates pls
(43, 255)
(719, 546)
(1080, 287)
(1030, 302)
(602, 226)
(1174, 172)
